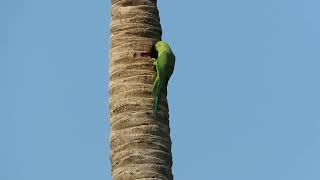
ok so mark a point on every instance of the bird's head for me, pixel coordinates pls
(162, 46)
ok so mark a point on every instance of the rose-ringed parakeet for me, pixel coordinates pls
(164, 65)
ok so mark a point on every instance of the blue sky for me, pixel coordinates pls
(244, 98)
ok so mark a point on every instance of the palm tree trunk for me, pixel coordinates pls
(140, 145)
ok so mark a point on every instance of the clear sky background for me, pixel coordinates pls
(244, 98)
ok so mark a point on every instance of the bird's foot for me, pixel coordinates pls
(153, 61)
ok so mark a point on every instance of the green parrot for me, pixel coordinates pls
(164, 65)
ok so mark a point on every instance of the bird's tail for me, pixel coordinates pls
(157, 92)
(155, 85)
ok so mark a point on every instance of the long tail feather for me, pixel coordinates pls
(155, 86)
(156, 99)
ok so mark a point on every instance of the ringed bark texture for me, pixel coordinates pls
(140, 145)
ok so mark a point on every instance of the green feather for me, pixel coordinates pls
(165, 67)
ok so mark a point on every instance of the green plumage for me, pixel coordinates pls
(165, 66)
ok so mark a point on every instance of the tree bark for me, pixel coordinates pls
(140, 145)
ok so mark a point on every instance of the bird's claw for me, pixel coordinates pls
(153, 61)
